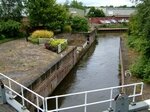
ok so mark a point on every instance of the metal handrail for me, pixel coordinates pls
(93, 91)
(22, 93)
(85, 93)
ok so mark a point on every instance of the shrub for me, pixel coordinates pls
(67, 29)
(34, 40)
(2, 36)
(53, 44)
(138, 67)
(42, 34)
(10, 28)
(79, 24)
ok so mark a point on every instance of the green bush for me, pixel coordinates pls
(10, 28)
(67, 29)
(79, 24)
(138, 67)
(34, 40)
(2, 36)
(147, 72)
(42, 34)
(53, 44)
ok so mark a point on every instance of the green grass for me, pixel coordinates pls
(6, 40)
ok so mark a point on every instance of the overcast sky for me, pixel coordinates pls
(102, 2)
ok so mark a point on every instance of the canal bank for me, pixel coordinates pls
(128, 57)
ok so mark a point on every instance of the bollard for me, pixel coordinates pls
(121, 103)
(2, 93)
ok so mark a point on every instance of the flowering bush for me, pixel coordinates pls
(42, 34)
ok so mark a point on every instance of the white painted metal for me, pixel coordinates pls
(85, 93)
(94, 91)
(9, 87)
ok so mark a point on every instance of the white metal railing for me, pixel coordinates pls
(85, 93)
(23, 98)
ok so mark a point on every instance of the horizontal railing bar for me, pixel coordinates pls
(22, 86)
(23, 98)
(130, 96)
(71, 94)
(89, 104)
(82, 105)
(98, 90)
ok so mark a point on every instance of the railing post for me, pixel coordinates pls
(111, 96)
(9, 82)
(85, 102)
(142, 88)
(56, 104)
(134, 92)
(23, 103)
(45, 105)
(37, 102)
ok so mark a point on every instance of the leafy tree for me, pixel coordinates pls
(95, 12)
(79, 24)
(10, 17)
(139, 38)
(123, 6)
(66, 4)
(46, 14)
(11, 9)
(76, 4)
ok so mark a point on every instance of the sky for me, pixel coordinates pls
(102, 2)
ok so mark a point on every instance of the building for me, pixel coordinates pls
(118, 12)
(77, 12)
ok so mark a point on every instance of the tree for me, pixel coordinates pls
(11, 9)
(123, 6)
(79, 24)
(46, 14)
(76, 4)
(10, 18)
(95, 12)
(66, 4)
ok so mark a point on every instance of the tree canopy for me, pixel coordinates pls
(76, 4)
(93, 12)
(46, 14)
(11, 9)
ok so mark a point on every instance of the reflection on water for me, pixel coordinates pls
(97, 69)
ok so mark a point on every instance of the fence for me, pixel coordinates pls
(137, 91)
(85, 93)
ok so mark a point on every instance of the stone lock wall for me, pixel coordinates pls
(46, 84)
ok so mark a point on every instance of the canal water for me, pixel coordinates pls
(97, 69)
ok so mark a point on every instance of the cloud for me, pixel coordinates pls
(102, 2)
